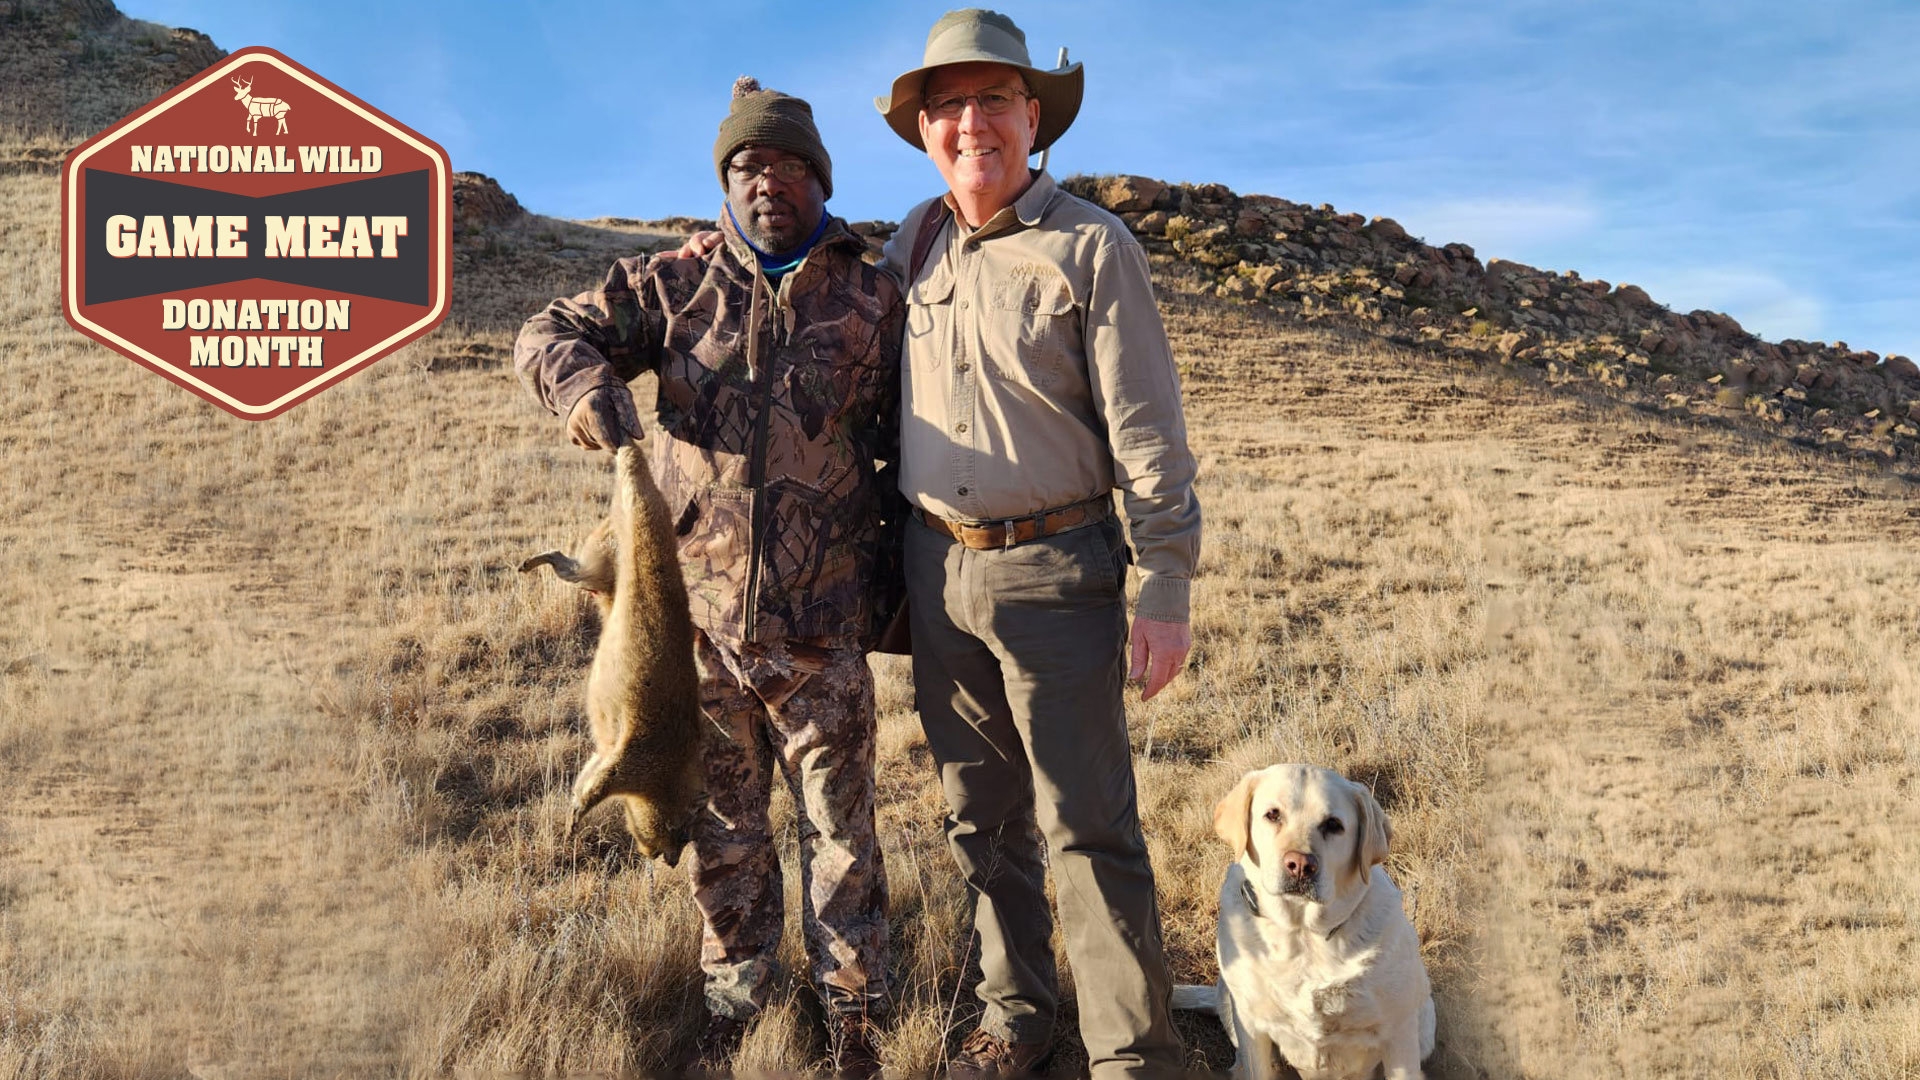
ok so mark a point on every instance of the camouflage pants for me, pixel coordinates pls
(807, 705)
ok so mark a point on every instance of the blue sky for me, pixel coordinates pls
(1757, 158)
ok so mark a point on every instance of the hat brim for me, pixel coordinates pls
(1058, 92)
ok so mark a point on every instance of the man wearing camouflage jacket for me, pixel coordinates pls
(778, 357)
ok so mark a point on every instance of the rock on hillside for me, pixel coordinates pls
(480, 203)
(71, 67)
(1316, 263)
(508, 263)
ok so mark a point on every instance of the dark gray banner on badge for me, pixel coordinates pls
(403, 278)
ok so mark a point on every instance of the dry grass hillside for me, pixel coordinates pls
(72, 67)
(285, 740)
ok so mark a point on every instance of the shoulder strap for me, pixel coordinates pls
(930, 227)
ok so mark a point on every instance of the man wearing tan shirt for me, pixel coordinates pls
(1037, 378)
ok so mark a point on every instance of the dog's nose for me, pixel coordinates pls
(1300, 864)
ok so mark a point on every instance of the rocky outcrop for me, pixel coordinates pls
(480, 203)
(1318, 263)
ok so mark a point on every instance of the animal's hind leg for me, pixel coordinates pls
(562, 563)
(589, 789)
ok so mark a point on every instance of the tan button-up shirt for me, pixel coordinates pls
(1037, 374)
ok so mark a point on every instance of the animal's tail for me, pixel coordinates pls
(1190, 998)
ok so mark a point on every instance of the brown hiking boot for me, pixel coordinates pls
(720, 1041)
(986, 1056)
(855, 1057)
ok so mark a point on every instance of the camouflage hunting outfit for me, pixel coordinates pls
(773, 405)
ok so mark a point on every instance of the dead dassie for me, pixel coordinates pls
(643, 698)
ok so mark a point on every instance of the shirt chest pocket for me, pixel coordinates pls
(1034, 329)
(818, 389)
(930, 317)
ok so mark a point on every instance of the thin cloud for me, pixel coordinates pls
(1882, 324)
(1762, 303)
(1507, 228)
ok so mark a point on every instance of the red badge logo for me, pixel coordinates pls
(256, 234)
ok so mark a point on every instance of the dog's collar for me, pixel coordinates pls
(1343, 923)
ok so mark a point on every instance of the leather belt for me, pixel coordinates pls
(1006, 532)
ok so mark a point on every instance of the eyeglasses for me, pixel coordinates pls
(992, 102)
(786, 170)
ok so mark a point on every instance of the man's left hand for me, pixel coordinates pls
(697, 246)
(1159, 652)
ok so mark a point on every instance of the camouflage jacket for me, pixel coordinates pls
(772, 409)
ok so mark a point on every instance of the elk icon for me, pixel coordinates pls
(258, 107)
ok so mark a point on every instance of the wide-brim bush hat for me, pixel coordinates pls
(978, 35)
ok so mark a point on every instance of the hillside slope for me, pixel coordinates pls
(69, 68)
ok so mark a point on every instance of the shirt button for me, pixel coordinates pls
(961, 427)
(962, 366)
(963, 305)
(963, 491)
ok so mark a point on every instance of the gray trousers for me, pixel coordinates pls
(1017, 673)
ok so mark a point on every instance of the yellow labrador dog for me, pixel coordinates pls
(1318, 963)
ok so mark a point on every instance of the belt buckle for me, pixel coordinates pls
(1005, 524)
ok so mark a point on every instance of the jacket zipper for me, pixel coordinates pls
(757, 464)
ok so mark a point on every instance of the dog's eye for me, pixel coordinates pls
(1272, 815)
(1332, 827)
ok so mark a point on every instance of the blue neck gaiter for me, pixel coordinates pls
(775, 266)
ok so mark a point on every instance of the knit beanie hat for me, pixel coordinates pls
(770, 118)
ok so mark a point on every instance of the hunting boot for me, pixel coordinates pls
(719, 1042)
(986, 1056)
(855, 1057)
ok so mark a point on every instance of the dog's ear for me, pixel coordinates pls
(1230, 816)
(1373, 834)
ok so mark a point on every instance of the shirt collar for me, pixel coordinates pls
(1032, 205)
(1027, 210)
